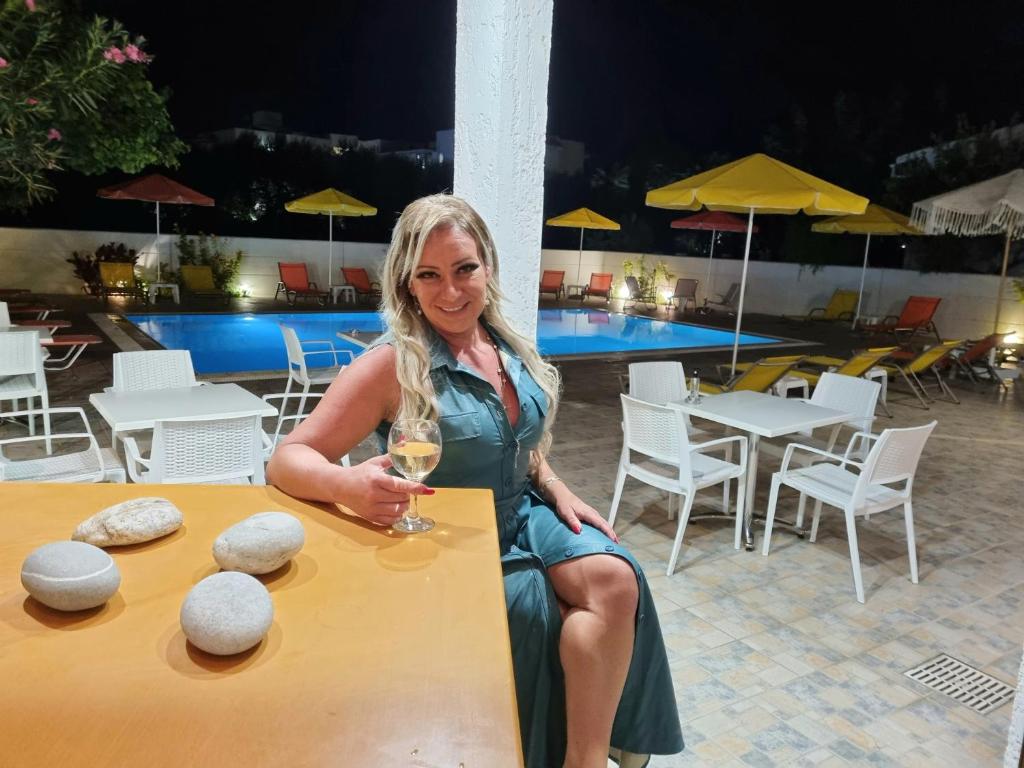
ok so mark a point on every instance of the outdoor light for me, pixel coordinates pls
(1011, 339)
(245, 288)
(623, 292)
(666, 296)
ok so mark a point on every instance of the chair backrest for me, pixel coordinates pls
(918, 311)
(600, 282)
(357, 278)
(207, 450)
(982, 347)
(843, 302)
(686, 288)
(117, 274)
(658, 382)
(153, 369)
(296, 358)
(893, 458)
(931, 356)
(658, 432)
(851, 394)
(551, 281)
(21, 355)
(731, 296)
(198, 277)
(762, 375)
(864, 361)
(633, 286)
(294, 275)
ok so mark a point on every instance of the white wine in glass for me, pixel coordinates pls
(415, 449)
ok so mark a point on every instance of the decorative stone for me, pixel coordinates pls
(130, 522)
(259, 544)
(70, 575)
(227, 613)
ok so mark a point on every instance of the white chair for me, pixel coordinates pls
(208, 450)
(270, 441)
(299, 372)
(22, 376)
(659, 433)
(154, 369)
(92, 464)
(892, 460)
(852, 394)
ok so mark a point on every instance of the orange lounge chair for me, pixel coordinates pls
(973, 361)
(297, 283)
(600, 285)
(73, 347)
(358, 279)
(553, 281)
(915, 318)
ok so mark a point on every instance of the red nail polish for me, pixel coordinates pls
(429, 492)
(578, 528)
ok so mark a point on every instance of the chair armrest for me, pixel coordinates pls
(816, 309)
(722, 442)
(855, 437)
(134, 460)
(792, 447)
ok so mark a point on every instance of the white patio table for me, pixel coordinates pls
(128, 411)
(760, 415)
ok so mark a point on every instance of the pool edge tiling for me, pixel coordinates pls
(248, 342)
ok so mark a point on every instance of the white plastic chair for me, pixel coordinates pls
(299, 372)
(208, 450)
(270, 441)
(154, 369)
(90, 465)
(22, 376)
(659, 433)
(893, 459)
(852, 394)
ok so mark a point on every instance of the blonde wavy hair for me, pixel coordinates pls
(409, 329)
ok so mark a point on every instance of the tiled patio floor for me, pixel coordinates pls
(775, 662)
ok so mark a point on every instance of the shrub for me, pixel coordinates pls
(209, 250)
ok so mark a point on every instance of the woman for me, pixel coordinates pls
(589, 660)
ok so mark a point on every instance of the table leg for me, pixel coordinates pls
(754, 442)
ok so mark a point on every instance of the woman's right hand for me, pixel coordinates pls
(377, 496)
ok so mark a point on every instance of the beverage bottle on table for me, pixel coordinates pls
(695, 386)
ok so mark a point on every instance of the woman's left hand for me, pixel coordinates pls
(574, 511)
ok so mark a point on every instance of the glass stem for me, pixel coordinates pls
(412, 513)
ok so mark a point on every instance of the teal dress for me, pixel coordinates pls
(482, 450)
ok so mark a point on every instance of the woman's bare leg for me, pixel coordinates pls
(595, 648)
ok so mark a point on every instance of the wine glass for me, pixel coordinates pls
(415, 449)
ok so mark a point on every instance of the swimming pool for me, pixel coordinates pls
(237, 343)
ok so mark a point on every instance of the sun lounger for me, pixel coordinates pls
(297, 283)
(916, 317)
(553, 281)
(198, 279)
(841, 306)
(685, 292)
(600, 285)
(118, 279)
(755, 377)
(360, 281)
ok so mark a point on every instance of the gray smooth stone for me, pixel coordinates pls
(227, 613)
(130, 522)
(259, 544)
(70, 575)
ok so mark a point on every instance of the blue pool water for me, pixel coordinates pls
(234, 343)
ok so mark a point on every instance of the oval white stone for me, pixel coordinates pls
(70, 575)
(227, 613)
(259, 544)
(130, 522)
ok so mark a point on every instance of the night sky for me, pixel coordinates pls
(693, 76)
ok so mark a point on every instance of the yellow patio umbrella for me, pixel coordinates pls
(876, 220)
(756, 183)
(582, 218)
(330, 202)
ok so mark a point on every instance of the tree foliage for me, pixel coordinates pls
(74, 94)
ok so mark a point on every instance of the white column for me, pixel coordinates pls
(501, 114)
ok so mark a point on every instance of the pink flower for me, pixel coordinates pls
(3, 62)
(30, 4)
(31, 102)
(114, 54)
(54, 135)
(134, 53)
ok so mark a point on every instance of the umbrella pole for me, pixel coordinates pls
(743, 291)
(158, 241)
(863, 274)
(711, 256)
(579, 262)
(1002, 279)
(330, 249)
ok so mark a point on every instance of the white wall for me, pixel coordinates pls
(34, 258)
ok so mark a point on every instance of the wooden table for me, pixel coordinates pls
(386, 650)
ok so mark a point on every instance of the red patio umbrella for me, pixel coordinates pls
(716, 221)
(155, 188)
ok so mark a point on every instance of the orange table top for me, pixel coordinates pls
(385, 650)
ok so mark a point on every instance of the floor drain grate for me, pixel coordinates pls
(962, 682)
